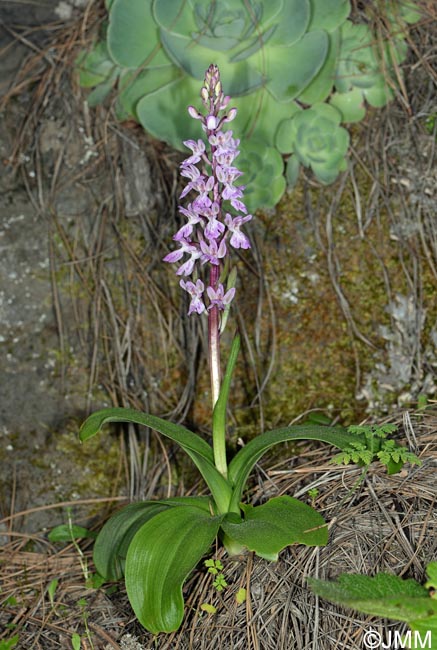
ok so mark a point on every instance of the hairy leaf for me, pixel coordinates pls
(382, 595)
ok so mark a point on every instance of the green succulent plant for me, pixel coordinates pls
(276, 58)
(315, 139)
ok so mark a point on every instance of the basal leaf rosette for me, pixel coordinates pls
(315, 140)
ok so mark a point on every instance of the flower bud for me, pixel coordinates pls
(231, 115)
(194, 113)
(204, 94)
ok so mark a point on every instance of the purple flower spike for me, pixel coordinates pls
(217, 212)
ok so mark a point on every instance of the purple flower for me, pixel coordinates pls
(214, 228)
(193, 218)
(198, 149)
(213, 252)
(238, 239)
(196, 293)
(219, 297)
(187, 267)
(185, 247)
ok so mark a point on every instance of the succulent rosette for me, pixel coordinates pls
(364, 71)
(275, 57)
(315, 139)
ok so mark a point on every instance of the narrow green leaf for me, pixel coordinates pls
(244, 461)
(51, 590)
(160, 557)
(176, 432)
(282, 521)
(197, 448)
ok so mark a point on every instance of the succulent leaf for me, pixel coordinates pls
(351, 105)
(328, 14)
(274, 56)
(134, 86)
(321, 86)
(156, 116)
(290, 70)
(133, 38)
(95, 67)
(317, 140)
(262, 168)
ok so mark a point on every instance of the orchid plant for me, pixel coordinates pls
(156, 544)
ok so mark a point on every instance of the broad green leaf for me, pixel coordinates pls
(135, 85)
(431, 571)
(161, 555)
(382, 595)
(263, 168)
(197, 449)
(113, 541)
(291, 69)
(66, 533)
(259, 114)
(244, 461)
(76, 641)
(329, 14)
(155, 117)
(133, 36)
(282, 521)
(293, 23)
(99, 93)
(9, 644)
(237, 18)
(321, 86)
(379, 94)
(237, 78)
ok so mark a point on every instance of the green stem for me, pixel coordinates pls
(218, 432)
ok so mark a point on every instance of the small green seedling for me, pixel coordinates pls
(215, 567)
(241, 596)
(313, 493)
(363, 451)
(51, 591)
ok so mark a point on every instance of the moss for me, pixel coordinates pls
(318, 352)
